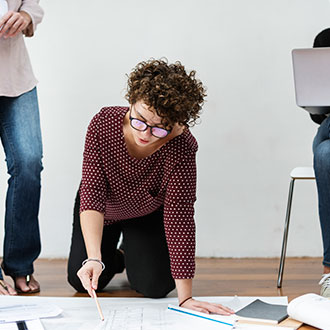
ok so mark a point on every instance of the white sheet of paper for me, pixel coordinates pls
(127, 313)
(31, 325)
(16, 312)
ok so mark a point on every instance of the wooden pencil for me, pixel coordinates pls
(98, 305)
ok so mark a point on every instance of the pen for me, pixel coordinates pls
(197, 315)
(2, 283)
(98, 305)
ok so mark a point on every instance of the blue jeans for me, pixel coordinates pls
(21, 138)
(321, 150)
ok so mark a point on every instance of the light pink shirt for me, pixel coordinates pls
(16, 75)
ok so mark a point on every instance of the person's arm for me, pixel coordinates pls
(179, 227)
(92, 228)
(24, 20)
(32, 9)
(93, 190)
(94, 184)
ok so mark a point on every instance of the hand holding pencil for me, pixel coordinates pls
(89, 274)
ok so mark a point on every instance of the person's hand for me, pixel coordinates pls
(13, 23)
(6, 289)
(206, 307)
(89, 275)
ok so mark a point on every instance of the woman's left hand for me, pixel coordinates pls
(206, 307)
(13, 23)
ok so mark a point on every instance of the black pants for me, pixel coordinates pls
(146, 254)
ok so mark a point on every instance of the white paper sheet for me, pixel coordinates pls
(128, 313)
(16, 312)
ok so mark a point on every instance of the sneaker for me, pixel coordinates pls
(325, 288)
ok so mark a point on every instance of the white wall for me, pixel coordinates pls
(252, 133)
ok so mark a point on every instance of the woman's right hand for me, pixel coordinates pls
(89, 275)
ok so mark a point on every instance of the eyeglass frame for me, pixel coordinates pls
(147, 126)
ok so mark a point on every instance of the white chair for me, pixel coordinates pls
(298, 173)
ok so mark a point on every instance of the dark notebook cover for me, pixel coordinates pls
(264, 311)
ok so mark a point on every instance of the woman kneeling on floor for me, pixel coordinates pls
(139, 179)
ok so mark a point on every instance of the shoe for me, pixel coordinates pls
(27, 279)
(325, 288)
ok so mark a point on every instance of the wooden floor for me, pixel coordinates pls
(214, 277)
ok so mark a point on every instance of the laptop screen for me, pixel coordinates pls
(311, 69)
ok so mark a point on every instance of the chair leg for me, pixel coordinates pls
(285, 235)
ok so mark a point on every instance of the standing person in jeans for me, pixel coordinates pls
(21, 139)
(321, 150)
(139, 178)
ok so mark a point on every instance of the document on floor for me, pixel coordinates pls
(11, 311)
(222, 322)
(129, 313)
(149, 317)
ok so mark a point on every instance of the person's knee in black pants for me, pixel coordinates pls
(74, 281)
(147, 257)
(154, 286)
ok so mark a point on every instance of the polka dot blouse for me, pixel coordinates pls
(123, 187)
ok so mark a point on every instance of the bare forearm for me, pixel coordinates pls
(92, 229)
(184, 288)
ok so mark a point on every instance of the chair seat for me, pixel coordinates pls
(303, 173)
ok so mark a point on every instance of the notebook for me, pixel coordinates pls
(263, 312)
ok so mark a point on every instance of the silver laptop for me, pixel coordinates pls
(311, 69)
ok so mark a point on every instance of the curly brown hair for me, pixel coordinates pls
(175, 95)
